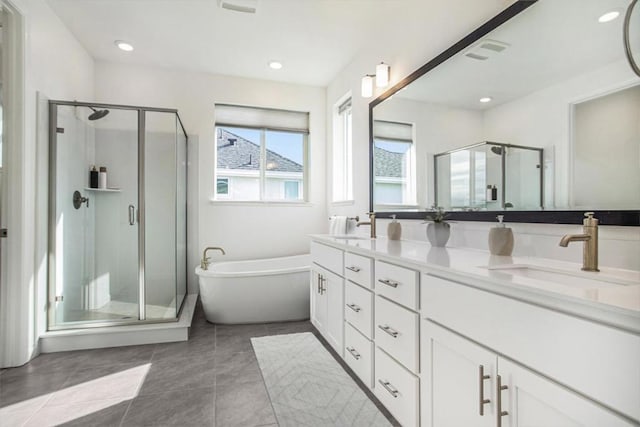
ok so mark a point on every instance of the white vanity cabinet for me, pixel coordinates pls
(327, 294)
(575, 368)
(465, 384)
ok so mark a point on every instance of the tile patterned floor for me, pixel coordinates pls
(211, 380)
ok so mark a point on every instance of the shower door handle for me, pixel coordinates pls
(132, 215)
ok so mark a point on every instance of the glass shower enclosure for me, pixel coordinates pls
(117, 215)
(489, 176)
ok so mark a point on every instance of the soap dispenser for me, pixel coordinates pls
(394, 230)
(501, 239)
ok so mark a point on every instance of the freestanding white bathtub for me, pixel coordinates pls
(254, 291)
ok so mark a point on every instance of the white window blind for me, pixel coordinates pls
(261, 118)
(392, 131)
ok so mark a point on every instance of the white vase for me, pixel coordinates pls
(438, 233)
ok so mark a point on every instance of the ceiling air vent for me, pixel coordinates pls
(244, 6)
(485, 49)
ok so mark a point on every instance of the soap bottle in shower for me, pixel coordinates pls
(102, 178)
(501, 239)
(93, 177)
(394, 230)
(494, 193)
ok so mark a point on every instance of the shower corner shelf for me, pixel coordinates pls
(103, 190)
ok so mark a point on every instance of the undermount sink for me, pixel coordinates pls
(578, 279)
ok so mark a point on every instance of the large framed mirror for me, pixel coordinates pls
(536, 113)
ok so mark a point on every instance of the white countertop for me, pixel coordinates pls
(592, 295)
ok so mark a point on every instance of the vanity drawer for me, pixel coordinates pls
(359, 269)
(594, 359)
(397, 283)
(327, 257)
(396, 332)
(397, 389)
(359, 308)
(358, 354)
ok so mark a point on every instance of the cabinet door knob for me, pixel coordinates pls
(389, 282)
(354, 307)
(499, 388)
(391, 389)
(388, 329)
(481, 377)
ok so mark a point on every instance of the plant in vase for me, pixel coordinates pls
(438, 230)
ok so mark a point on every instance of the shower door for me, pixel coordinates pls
(93, 270)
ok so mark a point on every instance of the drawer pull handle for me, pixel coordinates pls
(388, 329)
(354, 353)
(391, 389)
(482, 376)
(389, 282)
(499, 388)
(354, 269)
(354, 307)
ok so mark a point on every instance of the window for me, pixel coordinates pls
(394, 164)
(260, 154)
(342, 142)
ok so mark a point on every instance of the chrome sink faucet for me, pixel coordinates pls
(590, 239)
(205, 261)
(371, 222)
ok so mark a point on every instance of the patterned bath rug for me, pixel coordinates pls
(308, 387)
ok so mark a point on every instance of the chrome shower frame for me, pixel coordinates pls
(51, 261)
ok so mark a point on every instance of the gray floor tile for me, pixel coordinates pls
(21, 388)
(101, 383)
(184, 348)
(237, 368)
(252, 330)
(243, 405)
(48, 363)
(289, 327)
(101, 413)
(107, 417)
(119, 355)
(231, 344)
(174, 408)
(194, 371)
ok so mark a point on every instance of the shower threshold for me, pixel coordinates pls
(117, 336)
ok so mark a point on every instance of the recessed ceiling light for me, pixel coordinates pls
(609, 16)
(122, 45)
(275, 65)
(486, 99)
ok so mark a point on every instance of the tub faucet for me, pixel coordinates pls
(205, 261)
(371, 222)
(590, 239)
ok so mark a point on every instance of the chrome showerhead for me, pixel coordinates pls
(97, 114)
(497, 150)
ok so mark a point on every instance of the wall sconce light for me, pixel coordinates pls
(381, 78)
(367, 85)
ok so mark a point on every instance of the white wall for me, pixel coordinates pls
(47, 40)
(409, 40)
(244, 230)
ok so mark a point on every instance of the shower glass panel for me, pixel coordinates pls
(523, 187)
(96, 244)
(117, 253)
(161, 153)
